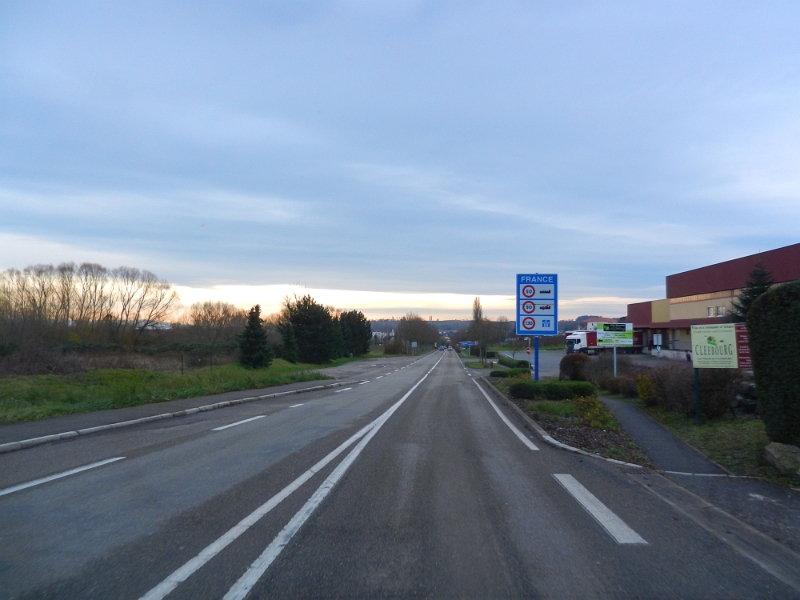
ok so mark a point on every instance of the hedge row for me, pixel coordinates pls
(551, 390)
(513, 363)
(510, 373)
(772, 324)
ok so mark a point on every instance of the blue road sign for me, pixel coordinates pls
(537, 304)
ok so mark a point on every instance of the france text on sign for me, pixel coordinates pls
(714, 346)
(537, 304)
(615, 334)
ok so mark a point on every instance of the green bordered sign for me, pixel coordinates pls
(614, 334)
(714, 346)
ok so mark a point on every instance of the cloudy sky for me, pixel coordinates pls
(424, 152)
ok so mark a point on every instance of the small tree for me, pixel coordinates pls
(772, 325)
(255, 352)
(760, 281)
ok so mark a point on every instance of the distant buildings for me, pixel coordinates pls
(704, 295)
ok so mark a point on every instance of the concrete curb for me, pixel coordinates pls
(534, 426)
(30, 443)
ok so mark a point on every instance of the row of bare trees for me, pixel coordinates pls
(87, 303)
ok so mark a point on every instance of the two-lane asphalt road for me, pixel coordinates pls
(413, 482)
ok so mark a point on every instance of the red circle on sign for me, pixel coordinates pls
(529, 291)
(528, 323)
(527, 350)
(528, 307)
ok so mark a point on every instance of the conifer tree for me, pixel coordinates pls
(760, 281)
(255, 352)
(289, 351)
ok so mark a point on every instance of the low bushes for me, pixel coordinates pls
(551, 390)
(672, 388)
(572, 365)
(510, 373)
(622, 384)
(513, 363)
(594, 413)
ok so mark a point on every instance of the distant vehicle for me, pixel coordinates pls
(449, 347)
(441, 347)
(586, 343)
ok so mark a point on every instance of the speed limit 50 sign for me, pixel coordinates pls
(537, 304)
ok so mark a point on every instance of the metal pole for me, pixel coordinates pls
(536, 358)
(697, 396)
(615, 361)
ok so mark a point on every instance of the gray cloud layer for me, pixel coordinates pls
(406, 146)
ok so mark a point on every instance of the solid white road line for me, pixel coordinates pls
(210, 551)
(615, 526)
(343, 390)
(23, 486)
(246, 582)
(295, 405)
(238, 423)
(516, 431)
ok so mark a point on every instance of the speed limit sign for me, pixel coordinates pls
(529, 323)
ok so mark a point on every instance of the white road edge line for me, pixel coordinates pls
(615, 526)
(246, 582)
(343, 390)
(516, 431)
(379, 376)
(23, 486)
(238, 423)
(295, 405)
(363, 382)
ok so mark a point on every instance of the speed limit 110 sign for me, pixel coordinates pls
(537, 304)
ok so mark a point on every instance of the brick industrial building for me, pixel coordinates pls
(703, 296)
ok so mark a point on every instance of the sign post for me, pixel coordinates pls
(537, 309)
(614, 334)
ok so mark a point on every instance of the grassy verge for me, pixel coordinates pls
(478, 365)
(26, 398)
(735, 443)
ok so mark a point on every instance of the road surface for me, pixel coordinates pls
(410, 482)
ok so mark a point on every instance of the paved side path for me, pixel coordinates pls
(667, 452)
(770, 508)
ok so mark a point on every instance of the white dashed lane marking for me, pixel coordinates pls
(23, 486)
(238, 423)
(615, 526)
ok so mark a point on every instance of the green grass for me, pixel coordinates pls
(553, 407)
(27, 398)
(735, 443)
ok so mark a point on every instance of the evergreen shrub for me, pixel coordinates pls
(571, 367)
(773, 322)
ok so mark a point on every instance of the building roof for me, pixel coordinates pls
(782, 263)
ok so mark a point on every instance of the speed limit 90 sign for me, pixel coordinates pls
(537, 304)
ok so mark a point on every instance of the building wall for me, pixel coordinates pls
(661, 311)
(699, 310)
